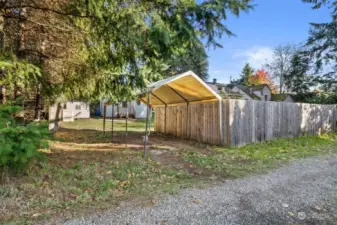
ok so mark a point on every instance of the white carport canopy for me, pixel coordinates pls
(179, 89)
(186, 88)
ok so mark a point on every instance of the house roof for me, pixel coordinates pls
(246, 89)
(216, 84)
(259, 87)
(279, 97)
(181, 88)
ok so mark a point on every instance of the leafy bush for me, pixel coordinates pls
(19, 144)
(323, 98)
(303, 97)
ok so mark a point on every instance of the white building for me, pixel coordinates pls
(70, 111)
(135, 109)
(260, 92)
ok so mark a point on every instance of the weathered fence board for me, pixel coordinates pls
(199, 122)
(257, 121)
(245, 122)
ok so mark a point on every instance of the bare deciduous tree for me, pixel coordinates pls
(280, 65)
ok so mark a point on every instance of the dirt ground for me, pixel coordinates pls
(94, 145)
(86, 169)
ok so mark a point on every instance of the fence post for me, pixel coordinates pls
(104, 116)
(225, 123)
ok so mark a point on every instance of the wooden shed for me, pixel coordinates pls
(185, 106)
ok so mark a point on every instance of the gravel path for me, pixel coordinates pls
(304, 192)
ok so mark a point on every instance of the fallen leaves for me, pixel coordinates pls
(291, 213)
(197, 201)
(37, 215)
(72, 196)
(45, 178)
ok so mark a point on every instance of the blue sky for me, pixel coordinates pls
(271, 23)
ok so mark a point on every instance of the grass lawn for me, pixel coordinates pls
(97, 124)
(82, 173)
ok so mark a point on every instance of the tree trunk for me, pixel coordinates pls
(57, 118)
(37, 106)
(4, 100)
(3, 95)
(15, 92)
(87, 7)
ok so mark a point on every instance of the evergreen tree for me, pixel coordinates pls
(322, 44)
(90, 49)
(193, 58)
(297, 80)
(246, 74)
(19, 144)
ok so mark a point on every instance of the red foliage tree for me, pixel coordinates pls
(262, 77)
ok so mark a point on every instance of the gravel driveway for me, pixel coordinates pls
(303, 192)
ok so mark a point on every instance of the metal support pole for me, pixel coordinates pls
(165, 119)
(126, 124)
(104, 116)
(112, 122)
(147, 121)
(187, 123)
(165, 110)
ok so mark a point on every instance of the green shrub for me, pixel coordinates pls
(323, 98)
(19, 144)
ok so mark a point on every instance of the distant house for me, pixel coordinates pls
(217, 87)
(135, 109)
(260, 92)
(282, 98)
(70, 111)
(224, 90)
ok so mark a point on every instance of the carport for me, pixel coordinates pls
(185, 106)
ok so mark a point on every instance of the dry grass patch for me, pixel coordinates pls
(70, 184)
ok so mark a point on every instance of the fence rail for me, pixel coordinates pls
(244, 122)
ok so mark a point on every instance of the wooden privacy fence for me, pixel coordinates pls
(256, 121)
(199, 122)
(239, 122)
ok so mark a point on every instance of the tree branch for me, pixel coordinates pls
(46, 9)
(35, 22)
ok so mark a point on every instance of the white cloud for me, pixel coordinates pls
(255, 56)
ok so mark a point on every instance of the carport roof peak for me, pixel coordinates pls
(181, 88)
